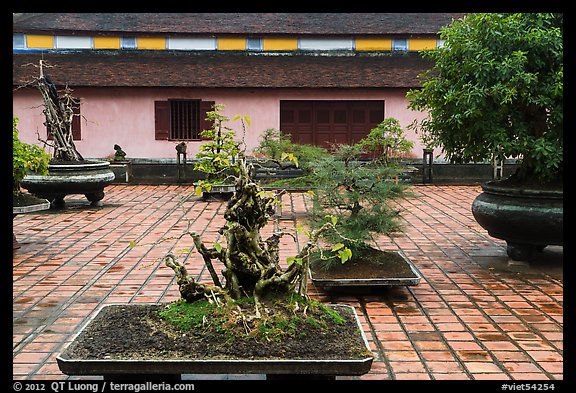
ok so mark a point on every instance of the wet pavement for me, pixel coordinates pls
(475, 314)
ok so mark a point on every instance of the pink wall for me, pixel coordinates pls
(125, 116)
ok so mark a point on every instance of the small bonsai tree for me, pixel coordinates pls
(276, 146)
(26, 158)
(217, 155)
(387, 141)
(496, 91)
(357, 192)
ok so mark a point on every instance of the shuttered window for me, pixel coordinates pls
(184, 120)
(177, 119)
(324, 123)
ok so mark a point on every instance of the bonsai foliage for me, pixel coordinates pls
(387, 141)
(357, 192)
(251, 264)
(216, 155)
(277, 146)
(496, 90)
(59, 111)
(26, 158)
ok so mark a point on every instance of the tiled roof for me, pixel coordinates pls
(236, 23)
(230, 69)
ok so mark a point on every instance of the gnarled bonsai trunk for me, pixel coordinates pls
(251, 264)
(59, 112)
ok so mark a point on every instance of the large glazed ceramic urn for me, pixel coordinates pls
(527, 219)
(88, 178)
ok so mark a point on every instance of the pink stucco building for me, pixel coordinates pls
(145, 80)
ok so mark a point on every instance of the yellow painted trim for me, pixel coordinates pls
(274, 43)
(373, 44)
(39, 41)
(106, 42)
(415, 44)
(231, 43)
(151, 43)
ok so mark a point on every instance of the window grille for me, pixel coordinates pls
(184, 119)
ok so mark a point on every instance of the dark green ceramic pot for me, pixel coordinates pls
(527, 219)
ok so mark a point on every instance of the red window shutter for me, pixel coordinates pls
(76, 124)
(205, 106)
(161, 120)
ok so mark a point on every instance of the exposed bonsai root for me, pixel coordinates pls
(190, 290)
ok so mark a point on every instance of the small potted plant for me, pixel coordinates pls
(358, 192)
(26, 159)
(286, 165)
(216, 156)
(68, 172)
(496, 92)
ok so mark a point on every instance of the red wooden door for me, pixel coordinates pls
(324, 123)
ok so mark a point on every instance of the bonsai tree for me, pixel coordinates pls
(59, 111)
(252, 265)
(357, 192)
(496, 91)
(217, 155)
(275, 146)
(386, 141)
(68, 173)
(26, 158)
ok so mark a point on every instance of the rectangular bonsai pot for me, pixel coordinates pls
(405, 280)
(145, 368)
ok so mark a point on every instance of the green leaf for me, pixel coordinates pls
(291, 260)
(198, 190)
(337, 246)
(345, 254)
(333, 219)
(218, 247)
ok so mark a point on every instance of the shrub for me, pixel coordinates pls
(26, 158)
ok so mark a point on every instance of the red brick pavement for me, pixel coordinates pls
(465, 320)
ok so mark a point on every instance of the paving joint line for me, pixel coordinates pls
(389, 370)
(88, 285)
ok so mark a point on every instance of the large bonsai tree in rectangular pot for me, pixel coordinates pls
(357, 185)
(253, 316)
(496, 91)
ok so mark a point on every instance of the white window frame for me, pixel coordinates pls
(126, 42)
(326, 44)
(192, 43)
(400, 44)
(73, 42)
(254, 43)
(16, 38)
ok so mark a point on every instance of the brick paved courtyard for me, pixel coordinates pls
(472, 316)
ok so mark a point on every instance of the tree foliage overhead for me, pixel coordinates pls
(496, 90)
